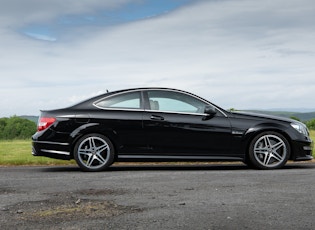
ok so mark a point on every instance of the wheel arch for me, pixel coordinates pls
(253, 132)
(93, 128)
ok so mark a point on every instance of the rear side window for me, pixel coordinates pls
(122, 101)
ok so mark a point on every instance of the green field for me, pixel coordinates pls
(18, 152)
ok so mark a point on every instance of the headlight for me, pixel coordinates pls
(301, 128)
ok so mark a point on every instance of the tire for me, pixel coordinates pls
(94, 152)
(269, 150)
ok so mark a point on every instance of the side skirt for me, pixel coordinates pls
(125, 157)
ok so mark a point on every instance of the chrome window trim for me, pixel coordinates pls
(174, 112)
(115, 94)
(161, 111)
(121, 109)
(188, 94)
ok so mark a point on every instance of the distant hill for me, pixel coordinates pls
(31, 118)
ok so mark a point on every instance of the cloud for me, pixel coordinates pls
(38, 10)
(241, 54)
(41, 36)
(59, 18)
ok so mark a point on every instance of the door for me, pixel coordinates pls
(175, 124)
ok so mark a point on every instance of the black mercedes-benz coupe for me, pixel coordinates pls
(161, 124)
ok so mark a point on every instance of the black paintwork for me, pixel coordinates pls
(151, 135)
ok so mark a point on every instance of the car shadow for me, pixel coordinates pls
(183, 167)
(151, 167)
(299, 165)
(174, 167)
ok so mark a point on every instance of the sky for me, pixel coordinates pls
(241, 54)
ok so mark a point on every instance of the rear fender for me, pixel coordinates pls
(93, 128)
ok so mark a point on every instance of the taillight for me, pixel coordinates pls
(45, 122)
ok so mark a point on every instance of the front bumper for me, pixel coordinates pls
(302, 151)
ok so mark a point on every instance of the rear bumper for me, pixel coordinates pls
(51, 149)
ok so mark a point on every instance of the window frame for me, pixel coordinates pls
(147, 107)
(121, 109)
(145, 104)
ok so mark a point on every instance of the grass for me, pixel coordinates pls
(312, 134)
(18, 152)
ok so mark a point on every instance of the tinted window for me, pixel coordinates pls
(175, 102)
(121, 101)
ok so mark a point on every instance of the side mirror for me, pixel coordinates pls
(210, 110)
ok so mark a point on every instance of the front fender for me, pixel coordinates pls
(262, 127)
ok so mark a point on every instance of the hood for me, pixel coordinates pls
(240, 114)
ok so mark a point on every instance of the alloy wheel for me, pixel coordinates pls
(94, 153)
(270, 151)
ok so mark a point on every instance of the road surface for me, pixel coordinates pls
(215, 196)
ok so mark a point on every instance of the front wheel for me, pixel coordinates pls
(269, 150)
(94, 152)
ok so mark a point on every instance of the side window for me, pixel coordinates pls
(174, 102)
(121, 101)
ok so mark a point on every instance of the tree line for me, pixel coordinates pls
(16, 128)
(20, 128)
(310, 124)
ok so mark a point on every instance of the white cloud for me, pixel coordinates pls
(241, 54)
(41, 37)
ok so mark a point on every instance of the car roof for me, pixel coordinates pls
(89, 102)
(109, 93)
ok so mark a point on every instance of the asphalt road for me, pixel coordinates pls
(158, 197)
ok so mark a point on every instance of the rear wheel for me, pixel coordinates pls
(269, 150)
(94, 152)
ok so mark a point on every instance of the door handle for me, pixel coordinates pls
(157, 118)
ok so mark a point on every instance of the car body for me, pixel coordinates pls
(163, 124)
